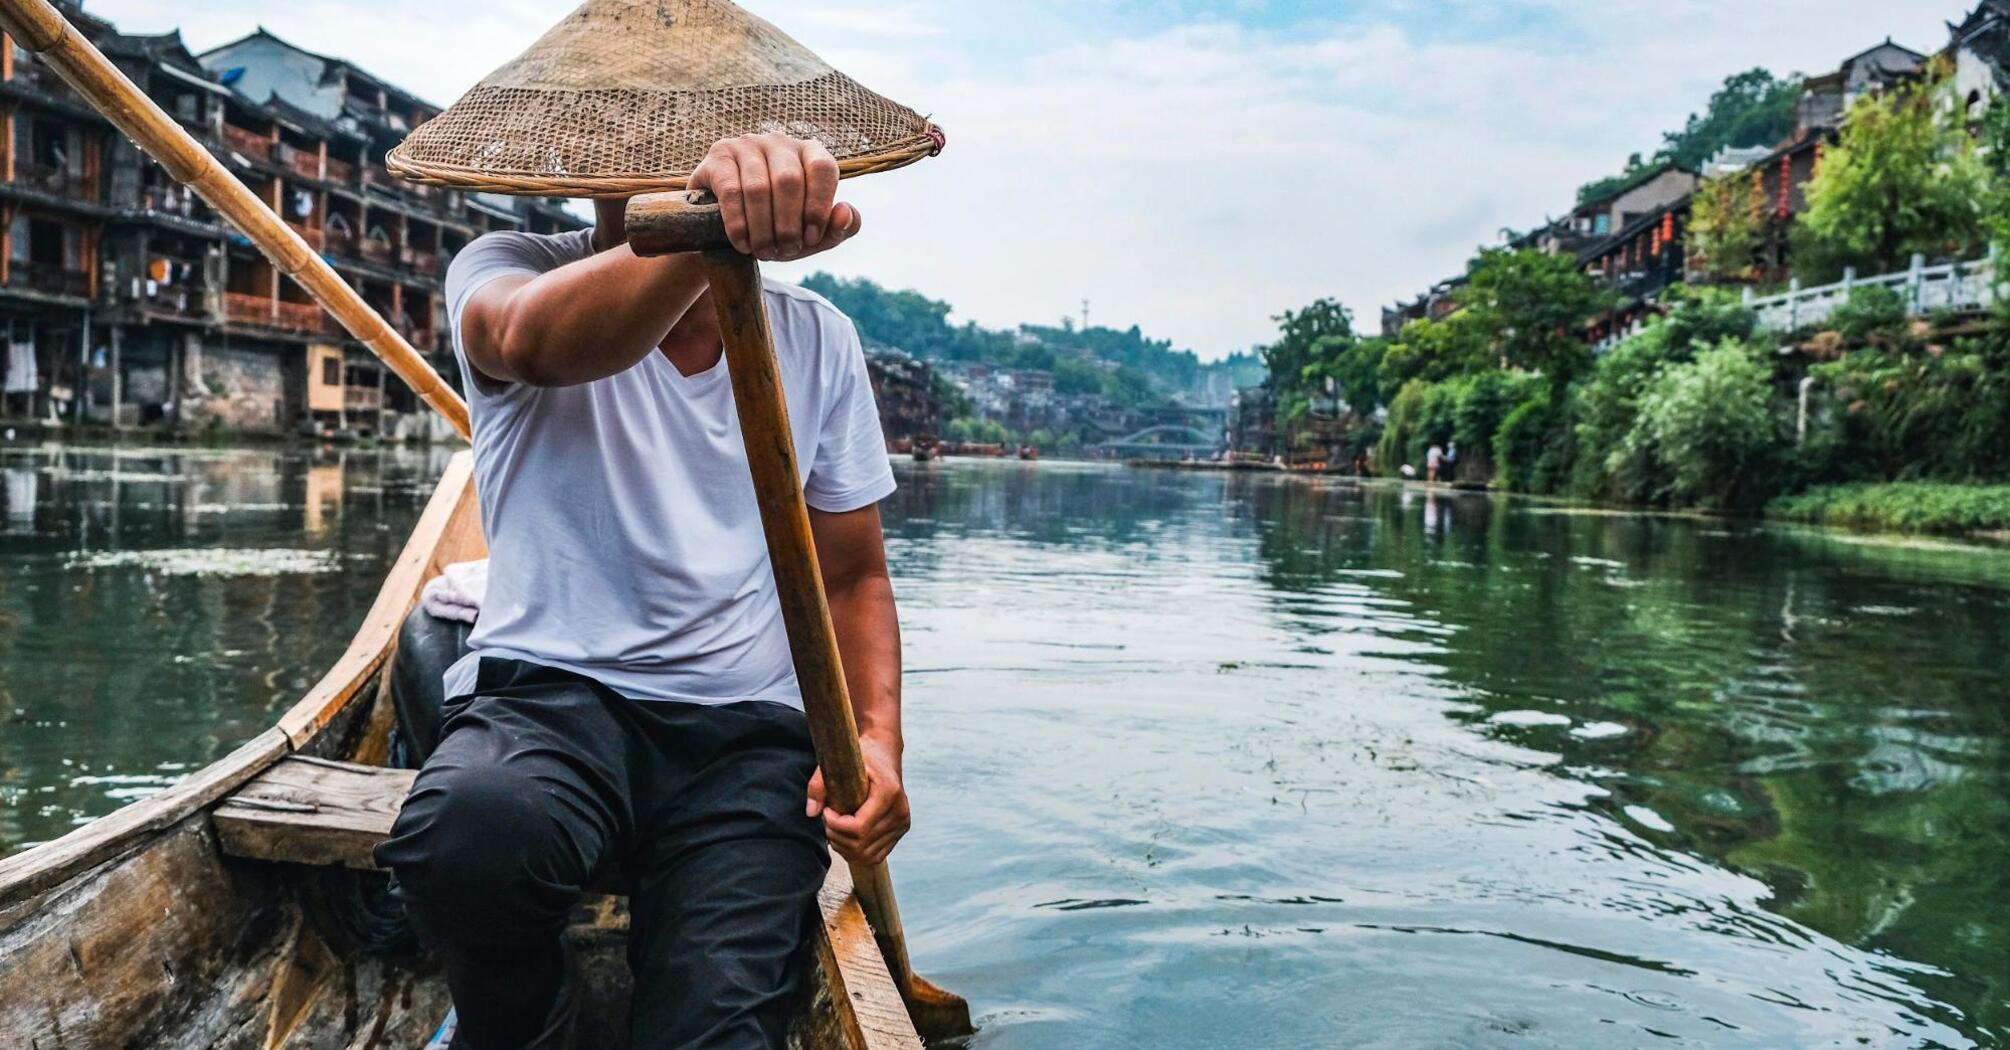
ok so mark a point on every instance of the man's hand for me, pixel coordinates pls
(867, 836)
(777, 195)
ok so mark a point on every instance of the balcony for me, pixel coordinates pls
(341, 171)
(49, 278)
(247, 309)
(311, 234)
(362, 398)
(170, 200)
(303, 317)
(338, 242)
(31, 73)
(249, 143)
(375, 175)
(54, 180)
(305, 163)
(379, 252)
(423, 261)
(181, 300)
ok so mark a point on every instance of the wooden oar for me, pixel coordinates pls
(39, 27)
(663, 223)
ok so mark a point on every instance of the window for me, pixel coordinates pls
(46, 242)
(1602, 224)
(331, 371)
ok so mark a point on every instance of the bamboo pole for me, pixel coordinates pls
(663, 223)
(39, 27)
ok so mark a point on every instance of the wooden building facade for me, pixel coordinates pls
(126, 302)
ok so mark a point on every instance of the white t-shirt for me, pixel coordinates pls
(624, 540)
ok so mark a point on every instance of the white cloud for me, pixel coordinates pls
(1196, 178)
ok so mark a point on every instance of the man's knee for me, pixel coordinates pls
(488, 850)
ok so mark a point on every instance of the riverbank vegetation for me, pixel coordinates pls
(1903, 506)
(1878, 418)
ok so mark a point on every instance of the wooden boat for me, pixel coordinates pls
(233, 910)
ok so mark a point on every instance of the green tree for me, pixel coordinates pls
(1903, 178)
(1724, 233)
(1353, 365)
(1299, 334)
(1534, 305)
(1753, 108)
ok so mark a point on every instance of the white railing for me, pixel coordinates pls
(1924, 289)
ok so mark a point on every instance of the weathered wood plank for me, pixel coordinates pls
(312, 811)
(864, 997)
(138, 947)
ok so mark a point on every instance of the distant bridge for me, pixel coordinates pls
(1167, 441)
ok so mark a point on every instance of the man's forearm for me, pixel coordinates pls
(595, 317)
(868, 637)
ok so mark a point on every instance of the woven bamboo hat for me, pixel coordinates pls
(625, 96)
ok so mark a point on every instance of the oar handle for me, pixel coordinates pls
(677, 221)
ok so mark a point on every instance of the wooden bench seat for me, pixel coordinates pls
(307, 810)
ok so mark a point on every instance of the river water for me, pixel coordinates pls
(1206, 761)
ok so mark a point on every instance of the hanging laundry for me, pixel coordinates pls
(22, 376)
(158, 269)
(303, 204)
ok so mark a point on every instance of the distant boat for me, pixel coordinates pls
(1028, 452)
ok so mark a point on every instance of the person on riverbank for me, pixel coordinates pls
(1434, 460)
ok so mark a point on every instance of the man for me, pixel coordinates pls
(630, 710)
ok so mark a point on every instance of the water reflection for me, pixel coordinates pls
(1370, 767)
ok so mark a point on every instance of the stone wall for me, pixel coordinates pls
(242, 387)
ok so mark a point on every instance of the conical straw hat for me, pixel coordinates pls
(625, 96)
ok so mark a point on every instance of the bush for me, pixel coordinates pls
(1711, 424)
(1466, 409)
(979, 431)
(1911, 414)
(1871, 310)
(1900, 506)
(1533, 448)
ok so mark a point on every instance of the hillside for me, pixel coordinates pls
(1129, 368)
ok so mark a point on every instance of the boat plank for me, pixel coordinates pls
(872, 1010)
(137, 947)
(313, 811)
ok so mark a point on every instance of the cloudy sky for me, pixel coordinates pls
(1190, 166)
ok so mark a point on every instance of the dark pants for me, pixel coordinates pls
(544, 782)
